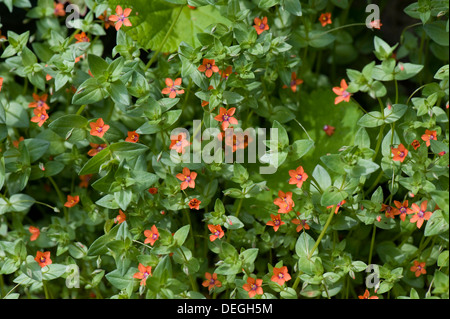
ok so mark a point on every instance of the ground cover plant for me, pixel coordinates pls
(125, 173)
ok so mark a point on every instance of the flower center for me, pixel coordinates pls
(403, 210)
(421, 214)
(345, 94)
(99, 129)
(155, 236)
(217, 233)
(402, 154)
(208, 66)
(262, 26)
(188, 179)
(276, 222)
(212, 282)
(145, 274)
(280, 275)
(299, 177)
(42, 117)
(42, 259)
(253, 286)
(225, 118)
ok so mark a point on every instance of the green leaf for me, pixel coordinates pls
(322, 177)
(97, 66)
(293, 6)
(181, 235)
(301, 148)
(436, 224)
(304, 245)
(371, 119)
(283, 138)
(437, 31)
(93, 165)
(395, 113)
(70, 127)
(119, 280)
(332, 196)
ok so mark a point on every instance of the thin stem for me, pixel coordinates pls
(81, 109)
(330, 217)
(309, 137)
(60, 196)
(238, 210)
(372, 243)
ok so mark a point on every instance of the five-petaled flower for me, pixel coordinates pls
(325, 18)
(179, 142)
(399, 153)
(226, 117)
(403, 209)
(35, 232)
(225, 74)
(280, 275)
(194, 204)
(260, 25)
(153, 190)
(216, 231)
(298, 176)
(173, 87)
(329, 130)
(208, 67)
(98, 128)
(151, 235)
(84, 180)
(96, 148)
(420, 213)
(211, 281)
(58, 9)
(143, 273)
(276, 221)
(428, 136)
(284, 202)
(105, 18)
(376, 24)
(132, 137)
(389, 211)
(120, 218)
(121, 17)
(301, 223)
(418, 268)
(342, 93)
(367, 296)
(43, 258)
(187, 178)
(39, 101)
(415, 144)
(294, 82)
(72, 200)
(82, 37)
(338, 206)
(253, 286)
(40, 116)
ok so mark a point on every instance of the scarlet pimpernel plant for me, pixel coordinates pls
(224, 149)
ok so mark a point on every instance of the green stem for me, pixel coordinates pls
(330, 217)
(238, 210)
(372, 243)
(380, 140)
(309, 137)
(81, 109)
(191, 279)
(60, 196)
(47, 295)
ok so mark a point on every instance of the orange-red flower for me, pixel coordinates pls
(39, 101)
(226, 117)
(1, 83)
(35, 232)
(120, 218)
(82, 37)
(85, 180)
(428, 136)
(208, 67)
(133, 137)
(173, 87)
(96, 148)
(59, 9)
(16, 143)
(187, 178)
(298, 176)
(376, 24)
(98, 128)
(329, 130)
(216, 231)
(260, 25)
(284, 202)
(121, 17)
(367, 296)
(236, 140)
(420, 213)
(415, 144)
(389, 211)
(225, 74)
(194, 204)
(403, 209)
(338, 206)
(253, 286)
(153, 190)
(342, 93)
(294, 82)
(179, 142)
(211, 281)
(72, 200)
(399, 153)
(152, 235)
(276, 221)
(43, 258)
(280, 275)
(301, 223)
(418, 268)
(143, 273)
(40, 116)
(325, 18)
(105, 18)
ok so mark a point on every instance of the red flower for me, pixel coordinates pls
(376, 24)
(133, 137)
(16, 143)
(43, 258)
(173, 87)
(120, 218)
(39, 101)
(325, 18)
(253, 286)
(403, 209)
(342, 93)
(294, 82)
(153, 190)
(260, 25)
(152, 235)
(59, 9)
(418, 268)
(420, 213)
(82, 37)
(280, 275)
(108, 22)
(121, 17)
(143, 273)
(216, 231)
(428, 136)
(85, 180)
(226, 117)
(400, 153)
(208, 67)
(389, 211)
(284, 202)
(367, 295)
(179, 142)
(35, 232)
(225, 74)
(1, 82)
(187, 178)
(329, 130)
(300, 222)
(194, 204)
(211, 281)
(337, 206)
(72, 200)
(96, 148)
(276, 222)
(415, 144)
(98, 128)
(40, 116)
(298, 176)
